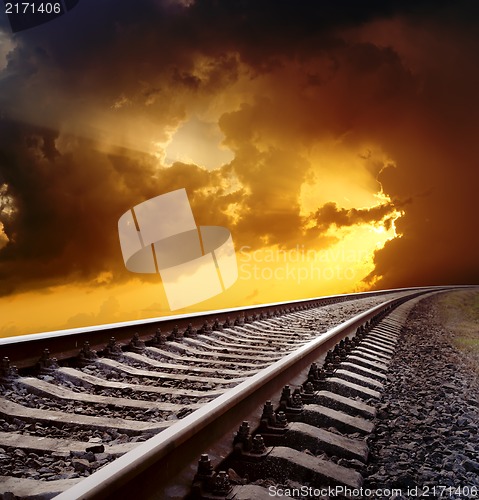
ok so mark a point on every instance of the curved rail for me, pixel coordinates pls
(164, 456)
(23, 350)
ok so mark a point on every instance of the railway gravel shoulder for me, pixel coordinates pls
(427, 426)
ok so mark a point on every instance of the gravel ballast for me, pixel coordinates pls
(426, 441)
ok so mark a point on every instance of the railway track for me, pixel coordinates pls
(145, 401)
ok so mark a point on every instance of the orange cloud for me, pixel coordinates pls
(315, 102)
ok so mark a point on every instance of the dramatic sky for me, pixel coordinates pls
(337, 140)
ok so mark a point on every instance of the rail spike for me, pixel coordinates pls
(268, 410)
(239, 321)
(258, 445)
(190, 331)
(308, 388)
(205, 469)
(221, 484)
(176, 334)
(159, 338)
(314, 377)
(271, 422)
(281, 420)
(297, 399)
(8, 372)
(46, 364)
(86, 355)
(291, 403)
(205, 474)
(216, 326)
(205, 328)
(242, 438)
(136, 344)
(112, 349)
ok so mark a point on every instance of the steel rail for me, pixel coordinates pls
(154, 466)
(24, 350)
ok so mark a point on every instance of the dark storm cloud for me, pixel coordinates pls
(61, 204)
(102, 50)
(108, 45)
(436, 149)
(67, 205)
(330, 214)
